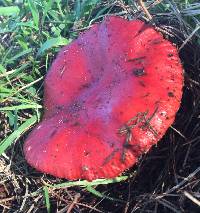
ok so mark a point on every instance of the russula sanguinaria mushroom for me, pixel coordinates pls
(108, 97)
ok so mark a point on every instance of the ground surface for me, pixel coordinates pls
(167, 179)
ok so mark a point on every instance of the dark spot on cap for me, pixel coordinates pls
(62, 69)
(170, 94)
(157, 103)
(143, 28)
(75, 107)
(76, 123)
(53, 133)
(157, 41)
(172, 78)
(127, 146)
(110, 156)
(65, 120)
(59, 107)
(137, 59)
(112, 145)
(139, 72)
(170, 55)
(85, 86)
(146, 95)
(142, 83)
(86, 153)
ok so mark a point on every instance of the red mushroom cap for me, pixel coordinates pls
(109, 96)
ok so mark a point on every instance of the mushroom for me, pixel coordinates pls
(108, 97)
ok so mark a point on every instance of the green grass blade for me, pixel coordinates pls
(34, 12)
(47, 8)
(94, 191)
(78, 9)
(23, 53)
(99, 194)
(47, 200)
(85, 183)
(8, 11)
(20, 107)
(53, 42)
(17, 133)
(29, 24)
